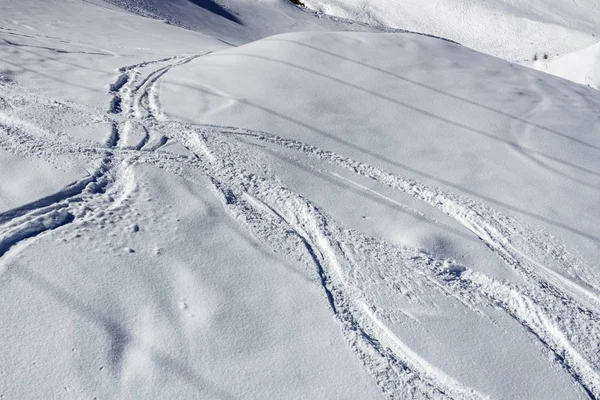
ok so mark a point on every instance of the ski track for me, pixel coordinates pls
(520, 246)
(72, 202)
(364, 278)
(565, 303)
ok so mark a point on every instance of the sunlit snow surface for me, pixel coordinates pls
(310, 215)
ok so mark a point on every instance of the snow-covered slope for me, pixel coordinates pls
(394, 108)
(582, 66)
(310, 215)
(150, 290)
(510, 29)
(558, 38)
(238, 21)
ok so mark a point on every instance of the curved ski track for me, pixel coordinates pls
(557, 302)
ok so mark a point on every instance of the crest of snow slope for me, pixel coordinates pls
(514, 30)
(237, 21)
(509, 29)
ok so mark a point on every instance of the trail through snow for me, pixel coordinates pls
(557, 301)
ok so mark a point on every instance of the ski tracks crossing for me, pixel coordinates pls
(362, 277)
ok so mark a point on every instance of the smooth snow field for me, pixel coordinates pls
(253, 200)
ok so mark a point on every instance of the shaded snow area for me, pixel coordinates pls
(249, 199)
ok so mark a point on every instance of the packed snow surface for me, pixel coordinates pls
(229, 213)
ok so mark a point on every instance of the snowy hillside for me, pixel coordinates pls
(582, 66)
(557, 37)
(235, 211)
(514, 30)
(238, 21)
